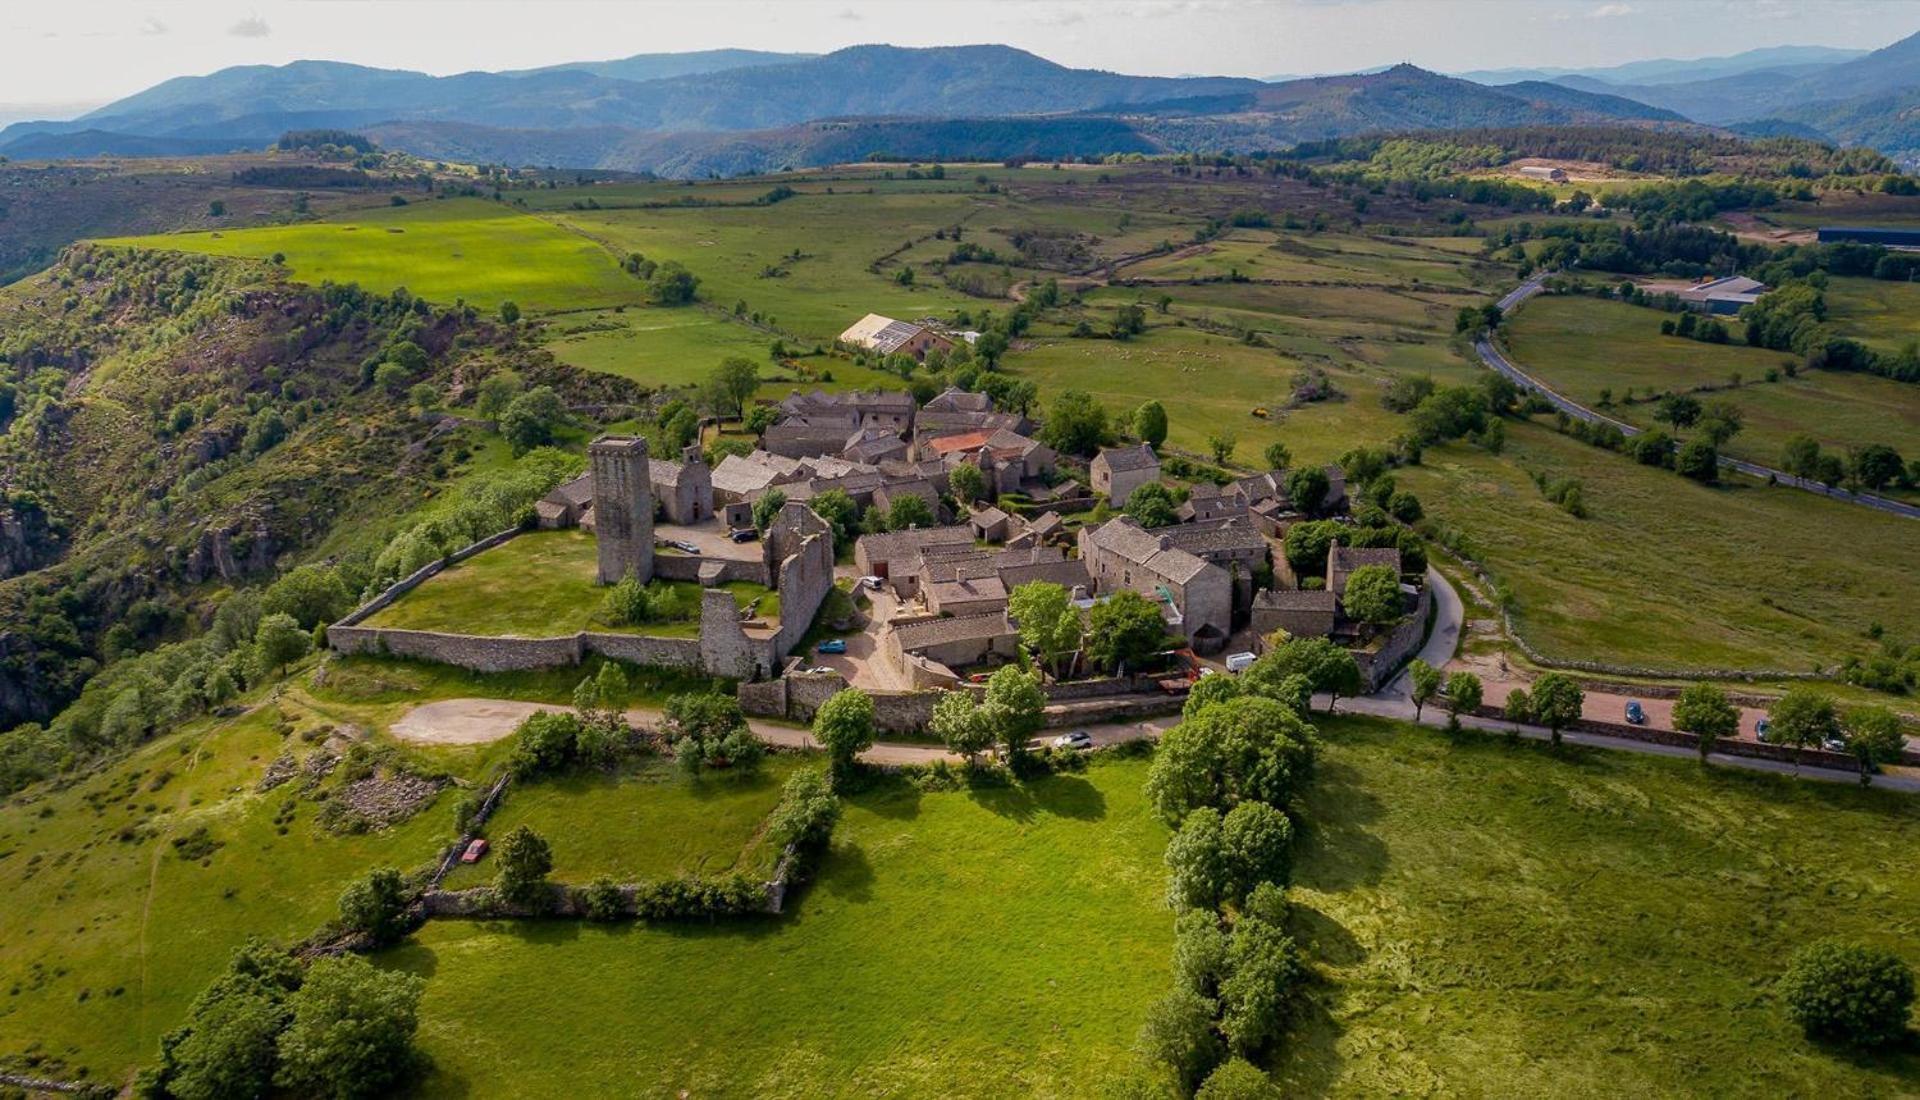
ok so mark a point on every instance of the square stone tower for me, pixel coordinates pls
(622, 507)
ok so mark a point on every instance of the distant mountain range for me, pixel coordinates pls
(728, 111)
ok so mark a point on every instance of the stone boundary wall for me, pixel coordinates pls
(911, 711)
(480, 816)
(419, 576)
(32, 1085)
(1099, 688)
(686, 567)
(469, 651)
(1379, 666)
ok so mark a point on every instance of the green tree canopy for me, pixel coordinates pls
(1124, 631)
(844, 726)
(1151, 505)
(1048, 622)
(1150, 423)
(1250, 748)
(352, 1030)
(1703, 710)
(1373, 595)
(1849, 993)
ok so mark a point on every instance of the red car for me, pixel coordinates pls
(474, 851)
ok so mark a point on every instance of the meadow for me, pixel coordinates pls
(1482, 917)
(646, 822)
(111, 929)
(991, 942)
(1668, 573)
(1581, 346)
(542, 584)
(443, 250)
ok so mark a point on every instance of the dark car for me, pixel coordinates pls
(1636, 715)
(745, 534)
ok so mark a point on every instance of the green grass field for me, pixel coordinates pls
(542, 584)
(1884, 315)
(1668, 573)
(108, 933)
(445, 250)
(1491, 920)
(1580, 346)
(991, 943)
(649, 822)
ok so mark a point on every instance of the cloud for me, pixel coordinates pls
(251, 27)
(1610, 11)
(150, 25)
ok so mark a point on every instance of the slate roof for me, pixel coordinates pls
(1349, 558)
(898, 545)
(1291, 599)
(882, 334)
(1123, 537)
(965, 589)
(1127, 459)
(577, 492)
(958, 400)
(1206, 538)
(992, 624)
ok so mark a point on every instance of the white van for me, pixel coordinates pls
(1238, 662)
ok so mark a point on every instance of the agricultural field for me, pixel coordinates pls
(1462, 901)
(1667, 573)
(1581, 346)
(648, 822)
(444, 250)
(542, 584)
(995, 942)
(1494, 919)
(1879, 313)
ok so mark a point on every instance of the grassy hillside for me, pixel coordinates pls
(1581, 346)
(1667, 573)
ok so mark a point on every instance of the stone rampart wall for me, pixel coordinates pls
(1379, 665)
(481, 654)
(686, 567)
(408, 583)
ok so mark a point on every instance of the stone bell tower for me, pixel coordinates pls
(622, 507)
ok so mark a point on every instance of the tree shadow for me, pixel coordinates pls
(557, 932)
(1310, 1064)
(890, 796)
(1012, 800)
(1333, 849)
(1070, 796)
(1324, 938)
(846, 873)
(411, 956)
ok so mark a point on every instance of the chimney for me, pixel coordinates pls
(692, 455)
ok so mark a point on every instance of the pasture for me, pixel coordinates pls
(444, 251)
(115, 920)
(1581, 346)
(1667, 573)
(993, 942)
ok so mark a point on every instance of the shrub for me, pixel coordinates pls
(601, 899)
(525, 860)
(1237, 1079)
(352, 1030)
(1178, 1036)
(376, 905)
(807, 811)
(545, 742)
(1848, 993)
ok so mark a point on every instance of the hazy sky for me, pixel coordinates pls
(56, 53)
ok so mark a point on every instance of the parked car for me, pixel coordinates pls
(1636, 714)
(1834, 744)
(979, 677)
(1238, 662)
(1078, 739)
(1763, 730)
(832, 645)
(871, 584)
(474, 850)
(744, 534)
(684, 546)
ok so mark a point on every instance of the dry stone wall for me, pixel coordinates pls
(1377, 666)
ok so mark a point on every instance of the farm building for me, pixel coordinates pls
(890, 337)
(1724, 296)
(1543, 172)
(1908, 239)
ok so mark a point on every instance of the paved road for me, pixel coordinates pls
(1449, 620)
(1495, 358)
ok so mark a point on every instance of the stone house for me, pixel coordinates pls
(1301, 613)
(966, 595)
(566, 504)
(1208, 502)
(1343, 560)
(990, 524)
(953, 642)
(872, 446)
(891, 491)
(895, 555)
(683, 490)
(1195, 595)
(1118, 471)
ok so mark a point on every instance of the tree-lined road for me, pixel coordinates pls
(1496, 359)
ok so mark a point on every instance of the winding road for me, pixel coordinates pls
(1497, 359)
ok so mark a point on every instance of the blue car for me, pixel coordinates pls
(1635, 714)
(836, 645)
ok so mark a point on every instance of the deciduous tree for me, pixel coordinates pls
(525, 860)
(844, 726)
(1703, 710)
(1048, 622)
(1424, 683)
(1555, 703)
(1124, 631)
(352, 1030)
(1874, 737)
